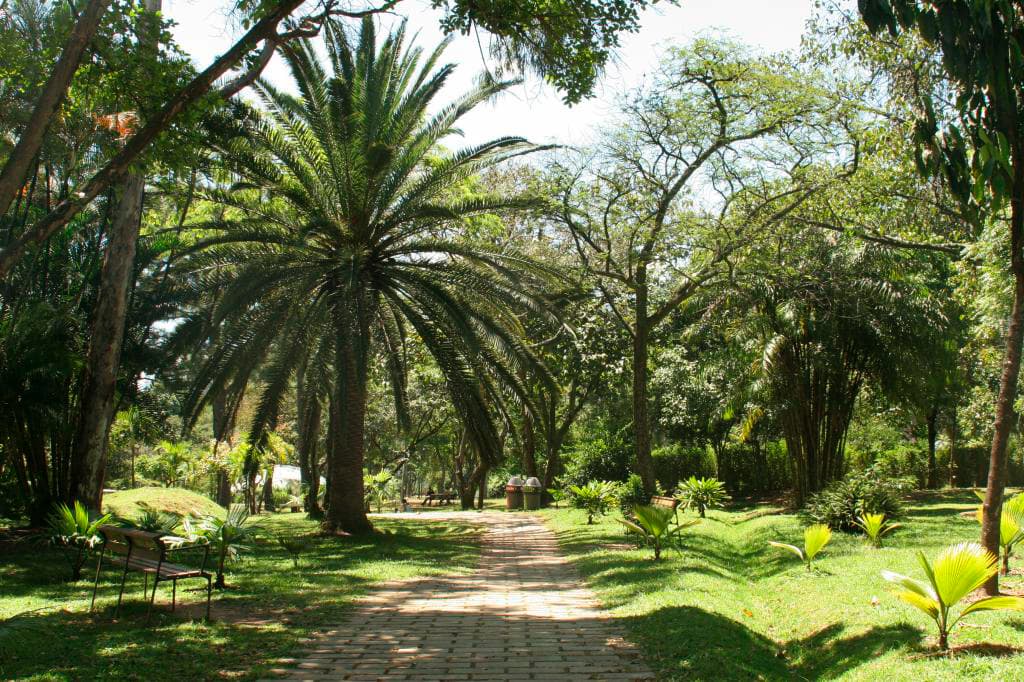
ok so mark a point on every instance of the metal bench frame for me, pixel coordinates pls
(139, 550)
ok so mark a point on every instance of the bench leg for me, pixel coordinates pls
(174, 593)
(209, 594)
(149, 611)
(145, 584)
(96, 583)
(120, 595)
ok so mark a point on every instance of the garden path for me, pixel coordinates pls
(523, 614)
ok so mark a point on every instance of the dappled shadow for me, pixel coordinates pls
(716, 647)
(271, 607)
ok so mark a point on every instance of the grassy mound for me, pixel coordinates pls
(126, 503)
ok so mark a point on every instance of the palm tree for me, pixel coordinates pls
(341, 239)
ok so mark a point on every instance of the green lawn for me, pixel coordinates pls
(269, 609)
(128, 503)
(729, 607)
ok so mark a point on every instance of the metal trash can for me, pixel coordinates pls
(514, 493)
(531, 493)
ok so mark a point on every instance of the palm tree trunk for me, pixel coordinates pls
(932, 479)
(346, 511)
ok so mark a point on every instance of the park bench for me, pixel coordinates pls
(446, 497)
(666, 502)
(147, 553)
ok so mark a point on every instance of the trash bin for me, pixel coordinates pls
(514, 493)
(531, 493)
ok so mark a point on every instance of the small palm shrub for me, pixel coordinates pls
(1011, 527)
(595, 497)
(654, 525)
(77, 531)
(703, 493)
(228, 536)
(875, 526)
(379, 487)
(815, 539)
(958, 570)
(843, 502)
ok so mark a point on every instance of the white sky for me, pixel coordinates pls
(533, 109)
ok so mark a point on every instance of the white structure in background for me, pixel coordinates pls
(287, 477)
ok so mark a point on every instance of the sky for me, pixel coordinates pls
(533, 109)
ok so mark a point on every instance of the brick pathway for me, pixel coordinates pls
(522, 615)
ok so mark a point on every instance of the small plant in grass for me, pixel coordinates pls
(1011, 527)
(869, 492)
(379, 487)
(228, 536)
(596, 497)
(815, 539)
(654, 525)
(557, 495)
(76, 531)
(957, 571)
(875, 526)
(703, 493)
(294, 545)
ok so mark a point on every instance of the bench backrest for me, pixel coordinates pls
(661, 501)
(140, 543)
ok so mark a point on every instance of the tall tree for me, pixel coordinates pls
(981, 153)
(716, 121)
(341, 241)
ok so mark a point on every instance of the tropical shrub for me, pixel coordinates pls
(632, 494)
(228, 536)
(868, 492)
(875, 526)
(958, 570)
(596, 497)
(702, 493)
(815, 539)
(76, 530)
(654, 525)
(379, 487)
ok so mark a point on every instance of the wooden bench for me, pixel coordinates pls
(441, 498)
(668, 503)
(145, 552)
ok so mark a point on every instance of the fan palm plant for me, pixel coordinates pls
(341, 239)
(815, 539)
(594, 497)
(875, 526)
(1011, 527)
(655, 525)
(228, 536)
(958, 570)
(701, 493)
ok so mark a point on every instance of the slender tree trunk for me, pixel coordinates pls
(221, 436)
(952, 432)
(529, 445)
(641, 418)
(347, 511)
(932, 478)
(104, 355)
(268, 490)
(482, 490)
(993, 504)
(31, 138)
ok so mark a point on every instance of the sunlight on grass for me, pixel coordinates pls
(731, 607)
(268, 609)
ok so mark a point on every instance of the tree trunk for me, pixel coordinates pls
(483, 491)
(347, 512)
(309, 413)
(268, 490)
(952, 431)
(641, 419)
(529, 445)
(104, 354)
(31, 138)
(198, 88)
(993, 504)
(932, 478)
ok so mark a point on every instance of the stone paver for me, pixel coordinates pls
(522, 615)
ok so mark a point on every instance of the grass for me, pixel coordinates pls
(731, 607)
(126, 503)
(269, 609)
